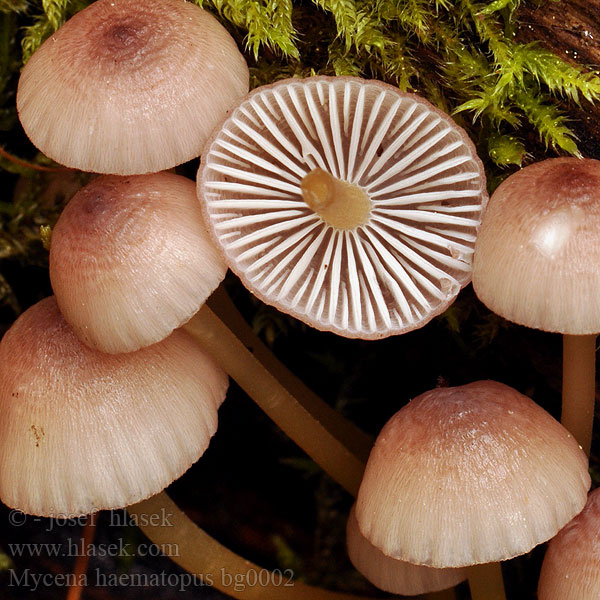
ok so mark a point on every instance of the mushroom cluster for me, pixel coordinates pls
(343, 202)
(118, 89)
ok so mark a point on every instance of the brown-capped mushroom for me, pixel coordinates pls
(469, 475)
(536, 264)
(130, 86)
(130, 260)
(571, 567)
(83, 431)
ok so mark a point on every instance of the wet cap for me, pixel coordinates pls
(468, 475)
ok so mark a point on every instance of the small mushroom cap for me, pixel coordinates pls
(130, 86)
(467, 475)
(83, 431)
(130, 260)
(571, 567)
(414, 181)
(392, 575)
(538, 250)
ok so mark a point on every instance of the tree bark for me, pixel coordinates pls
(571, 29)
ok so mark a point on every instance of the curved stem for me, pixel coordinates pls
(356, 440)
(295, 420)
(198, 553)
(29, 165)
(579, 387)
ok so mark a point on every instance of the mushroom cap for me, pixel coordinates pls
(83, 431)
(571, 567)
(426, 187)
(467, 475)
(392, 575)
(538, 250)
(130, 260)
(130, 86)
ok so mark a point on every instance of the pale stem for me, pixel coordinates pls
(579, 387)
(486, 583)
(341, 204)
(193, 549)
(275, 400)
(356, 440)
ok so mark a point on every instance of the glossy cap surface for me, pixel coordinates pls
(538, 250)
(471, 474)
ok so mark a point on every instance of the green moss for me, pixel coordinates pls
(460, 54)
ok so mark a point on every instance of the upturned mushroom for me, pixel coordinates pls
(536, 263)
(345, 203)
(130, 86)
(83, 430)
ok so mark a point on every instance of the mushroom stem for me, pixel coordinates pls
(81, 564)
(579, 387)
(340, 204)
(200, 554)
(295, 420)
(486, 583)
(356, 440)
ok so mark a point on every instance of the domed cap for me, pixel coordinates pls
(345, 203)
(571, 567)
(83, 431)
(395, 576)
(468, 475)
(538, 250)
(130, 86)
(130, 260)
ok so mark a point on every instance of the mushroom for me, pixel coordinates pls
(536, 264)
(469, 475)
(130, 86)
(130, 261)
(83, 430)
(392, 575)
(570, 570)
(345, 203)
